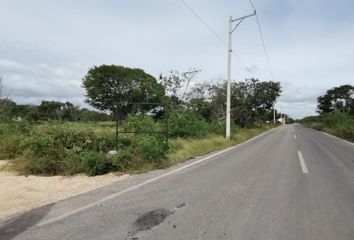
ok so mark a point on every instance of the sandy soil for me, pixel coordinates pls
(20, 193)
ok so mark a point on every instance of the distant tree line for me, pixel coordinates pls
(48, 110)
(252, 100)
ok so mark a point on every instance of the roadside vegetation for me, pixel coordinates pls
(336, 113)
(57, 138)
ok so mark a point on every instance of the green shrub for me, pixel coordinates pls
(185, 123)
(122, 161)
(217, 128)
(10, 146)
(72, 163)
(11, 137)
(140, 124)
(54, 149)
(43, 156)
(152, 148)
(95, 163)
(337, 123)
(317, 125)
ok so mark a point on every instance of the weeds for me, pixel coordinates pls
(336, 123)
(51, 148)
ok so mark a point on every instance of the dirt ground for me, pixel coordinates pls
(20, 193)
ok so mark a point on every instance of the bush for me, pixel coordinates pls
(140, 124)
(318, 126)
(184, 123)
(152, 148)
(56, 149)
(10, 146)
(43, 156)
(11, 138)
(95, 163)
(122, 161)
(336, 123)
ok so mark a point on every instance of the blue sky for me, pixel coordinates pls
(47, 46)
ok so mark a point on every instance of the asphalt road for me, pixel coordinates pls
(290, 183)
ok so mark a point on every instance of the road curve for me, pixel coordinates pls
(291, 183)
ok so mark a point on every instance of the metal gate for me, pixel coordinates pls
(164, 132)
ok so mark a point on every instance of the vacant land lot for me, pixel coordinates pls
(51, 161)
(22, 193)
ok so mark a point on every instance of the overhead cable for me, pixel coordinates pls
(210, 29)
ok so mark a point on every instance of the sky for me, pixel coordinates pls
(47, 46)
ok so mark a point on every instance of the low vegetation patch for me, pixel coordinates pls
(53, 148)
(336, 123)
(59, 138)
(183, 149)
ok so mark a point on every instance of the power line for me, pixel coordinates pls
(263, 42)
(252, 5)
(210, 29)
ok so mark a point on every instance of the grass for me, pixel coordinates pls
(184, 149)
(335, 123)
(51, 148)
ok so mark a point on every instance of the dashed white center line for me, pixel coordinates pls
(302, 162)
(294, 136)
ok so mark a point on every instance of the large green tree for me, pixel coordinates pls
(338, 98)
(7, 109)
(108, 84)
(251, 100)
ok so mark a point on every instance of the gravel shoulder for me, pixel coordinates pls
(19, 193)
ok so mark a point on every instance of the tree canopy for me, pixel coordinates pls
(338, 98)
(107, 84)
(251, 101)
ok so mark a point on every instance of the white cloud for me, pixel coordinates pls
(47, 47)
(36, 82)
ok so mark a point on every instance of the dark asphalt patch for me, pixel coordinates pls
(151, 219)
(147, 221)
(181, 205)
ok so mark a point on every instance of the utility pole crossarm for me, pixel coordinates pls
(247, 16)
(240, 20)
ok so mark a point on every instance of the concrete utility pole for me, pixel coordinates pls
(228, 84)
(274, 113)
(228, 81)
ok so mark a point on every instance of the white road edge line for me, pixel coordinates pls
(341, 139)
(98, 202)
(302, 162)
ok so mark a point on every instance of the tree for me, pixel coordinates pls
(254, 100)
(26, 111)
(7, 109)
(251, 100)
(173, 82)
(105, 85)
(51, 110)
(176, 85)
(201, 107)
(338, 98)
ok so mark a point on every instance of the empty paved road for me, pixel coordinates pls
(291, 183)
